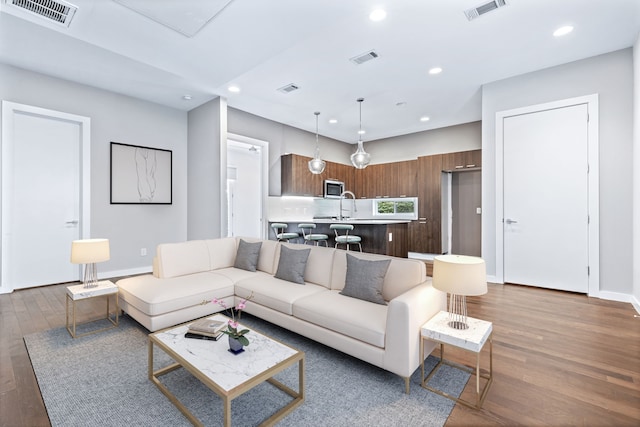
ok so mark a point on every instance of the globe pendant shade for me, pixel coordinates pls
(360, 159)
(317, 165)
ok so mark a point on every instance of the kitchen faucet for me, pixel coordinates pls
(355, 208)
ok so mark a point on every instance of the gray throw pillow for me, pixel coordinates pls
(365, 278)
(247, 255)
(292, 264)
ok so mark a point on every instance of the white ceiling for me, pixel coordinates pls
(261, 46)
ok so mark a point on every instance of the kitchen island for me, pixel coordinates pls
(379, 236)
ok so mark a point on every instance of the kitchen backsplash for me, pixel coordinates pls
(307, 208)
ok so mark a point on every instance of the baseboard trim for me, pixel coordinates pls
(121, 273)
(635, 303)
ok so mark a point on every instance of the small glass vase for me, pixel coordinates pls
(235, 346)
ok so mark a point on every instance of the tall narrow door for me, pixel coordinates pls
(466, 194)
(40, 200)
(545, 198)
(244, 197)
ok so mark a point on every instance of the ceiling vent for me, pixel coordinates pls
(288, 88)
(57, 11)
(367, 56)
(484, 8)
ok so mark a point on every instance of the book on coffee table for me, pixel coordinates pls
(203, 337)
(207, 327)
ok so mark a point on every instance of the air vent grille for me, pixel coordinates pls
(57, 11)
(288, 88)
(362, 58)
(484, 8)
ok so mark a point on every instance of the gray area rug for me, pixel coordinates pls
(101, 379)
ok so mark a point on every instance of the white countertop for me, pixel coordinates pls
(344, 221)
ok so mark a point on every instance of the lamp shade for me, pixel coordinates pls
(89, 251)
(460, 274)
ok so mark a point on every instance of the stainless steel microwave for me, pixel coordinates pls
(333, 189)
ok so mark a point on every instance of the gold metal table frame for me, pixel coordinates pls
(228, 396)
(480, 395)
(71, 323)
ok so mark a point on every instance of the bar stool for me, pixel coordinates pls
(309, 236)
(345, 239)
(282, 236)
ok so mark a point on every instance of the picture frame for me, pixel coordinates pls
(140, 175)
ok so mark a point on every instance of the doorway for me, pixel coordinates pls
(45, 194)
(461, 212)
(547, 195)
(247, 186)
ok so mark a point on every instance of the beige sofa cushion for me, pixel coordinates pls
(275, 293)
(402, 275)
(267, 261)
(153, 296)
(319, 263)
(352, 317)
(221, 252)
(179, 259)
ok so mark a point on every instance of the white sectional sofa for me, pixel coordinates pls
(385, 333)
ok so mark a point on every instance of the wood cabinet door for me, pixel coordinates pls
(296, 179)
(429, 237)
(461, 160)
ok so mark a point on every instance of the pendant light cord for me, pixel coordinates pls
(360, 130)
(317, 113)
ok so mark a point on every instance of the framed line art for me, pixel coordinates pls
(140, 175)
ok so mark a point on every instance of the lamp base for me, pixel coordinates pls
(90, 276)
(456, 324)
(458, 312)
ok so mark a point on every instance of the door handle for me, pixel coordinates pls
(74, 222)
(510, 221)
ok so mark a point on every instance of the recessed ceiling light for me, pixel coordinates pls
(234, 89)
(186, 97)
(563, 31)
(333, 121)
(424, 119)
(435, 70)
(361, 132)
(377, 15)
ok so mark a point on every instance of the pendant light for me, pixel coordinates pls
(317, 165)
(360, 159)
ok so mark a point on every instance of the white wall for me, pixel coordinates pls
(636, 174)
(206, 134)
(123, 119)
(610, 76)
(463, 137)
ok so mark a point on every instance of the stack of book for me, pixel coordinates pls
(206, 329)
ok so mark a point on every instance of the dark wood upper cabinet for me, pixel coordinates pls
(396, 179)
(296, 180)
(462, 160)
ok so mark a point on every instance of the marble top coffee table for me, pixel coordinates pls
(226, 374)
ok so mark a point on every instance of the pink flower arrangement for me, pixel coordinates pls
(232, 327)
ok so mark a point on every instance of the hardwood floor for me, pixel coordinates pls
(558, 358)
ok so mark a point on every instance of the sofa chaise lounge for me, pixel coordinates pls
(306, 297)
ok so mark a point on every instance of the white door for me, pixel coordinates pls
(42, 156)
(545, 212)
(245, 188)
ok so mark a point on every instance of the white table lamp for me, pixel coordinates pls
(89, 252)
(459, 275)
